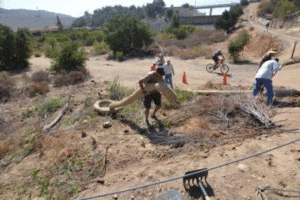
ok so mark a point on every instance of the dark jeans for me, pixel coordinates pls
(267, 83)
(168, 79)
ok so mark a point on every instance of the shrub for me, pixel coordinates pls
(100, 47)
(180, 33)
(37, 88)
(51, 50)
(37, 54)
(7, 85)
(183, 96)
(40, 76)
(50, 106)
(238, 43)
(74, 77)
(117, 91)
(60, 79)
(120, 56)
(69, 58)
(126, 33)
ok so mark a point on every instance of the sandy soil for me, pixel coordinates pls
(134, 160)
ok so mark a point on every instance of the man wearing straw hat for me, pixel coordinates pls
(267, 56)
(264, 77)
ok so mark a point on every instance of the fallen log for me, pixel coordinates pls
(57, 119)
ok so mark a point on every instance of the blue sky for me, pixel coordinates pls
(76, 8)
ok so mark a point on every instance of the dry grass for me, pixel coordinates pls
(197, 44)
(40, 76)
(262, 43)
(71, 78)
(185, 54)
(7, 85)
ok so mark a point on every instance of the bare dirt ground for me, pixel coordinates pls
(134, 159)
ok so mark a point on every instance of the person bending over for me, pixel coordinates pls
(153, 77)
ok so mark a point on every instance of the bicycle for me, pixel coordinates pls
(223, 67)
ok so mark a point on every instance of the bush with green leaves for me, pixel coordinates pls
(124, 34)
(69, 58)
(118, 91)
(100, 47)
(14, 48)
(238, 43)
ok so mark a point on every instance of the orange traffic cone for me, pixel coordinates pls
(225, 79)
(184, 79)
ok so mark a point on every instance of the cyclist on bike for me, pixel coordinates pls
(216, 57)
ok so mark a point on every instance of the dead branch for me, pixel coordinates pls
(57, 119)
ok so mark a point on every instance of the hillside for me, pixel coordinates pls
(32, 19)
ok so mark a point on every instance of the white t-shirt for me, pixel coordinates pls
(168, 69)
(267, 69)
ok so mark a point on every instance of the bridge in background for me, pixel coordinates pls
(211, 7)
(199, 20)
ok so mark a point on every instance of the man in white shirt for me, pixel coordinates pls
(169, 72)
(264, 77)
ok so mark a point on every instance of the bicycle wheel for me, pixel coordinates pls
(210, 68)
(224, 68)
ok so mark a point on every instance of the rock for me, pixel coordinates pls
(115, 197)
(178, 144)
(206, 151)
(204, 155)
(126, 132)
(107, 125)
(101, 181)
(132, 198)
(223, 176)
(242, 167)
(233, 148)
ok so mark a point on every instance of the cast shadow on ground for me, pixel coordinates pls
(283, 104)
(245, 62)
(157, 134)
(221, 74)
(195, 192)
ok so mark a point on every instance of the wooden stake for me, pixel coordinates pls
(295, 44)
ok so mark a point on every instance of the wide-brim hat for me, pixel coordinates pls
(272, 51)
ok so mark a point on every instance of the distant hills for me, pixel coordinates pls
(32, 19)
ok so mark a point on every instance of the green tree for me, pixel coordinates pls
(22, 47)
(59, 24)
(14, 48)
(244, 2)
(69, 58)
(169, 13)
(283, 7)
(175, 23)
(229, 18)
(123, 34)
